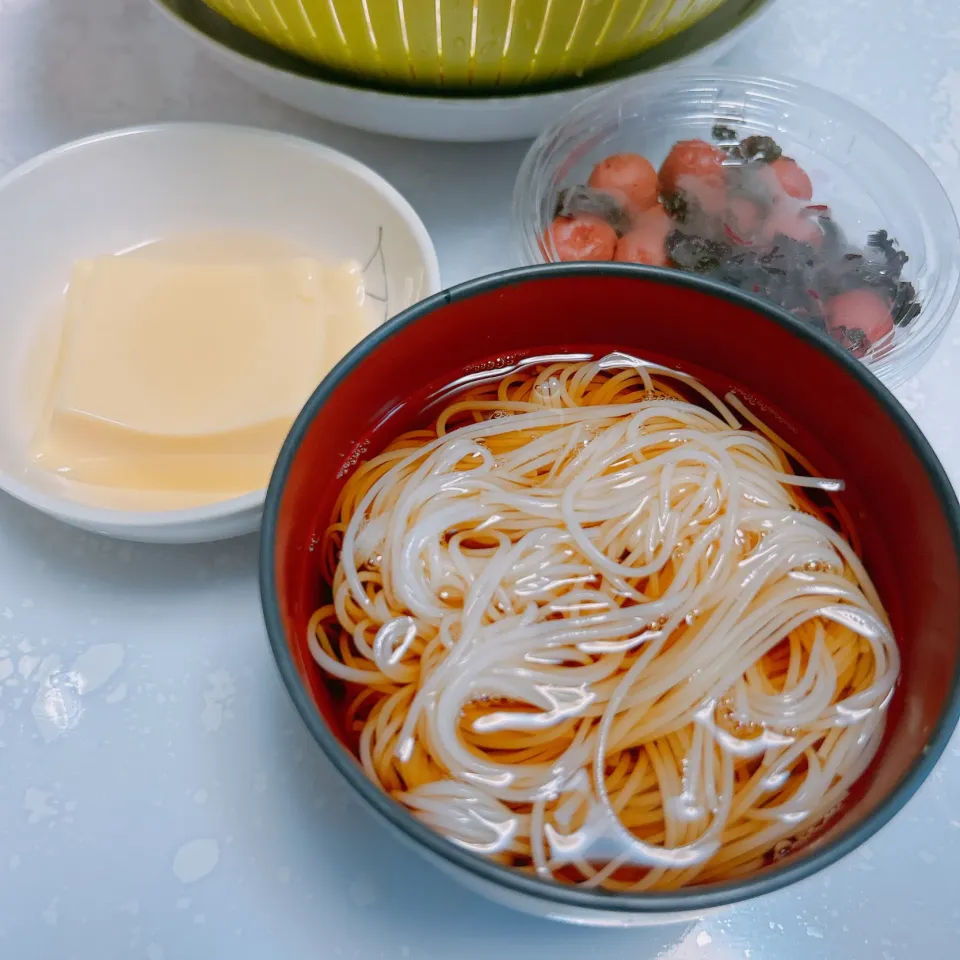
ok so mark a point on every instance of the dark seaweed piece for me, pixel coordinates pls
(759, 149)
(852, 339)
(585, 200)
(857, 340)
(896, 259)
(694, 253)
(678, 206)
(906, 307)
(881, 240)
(908, 314)
(685, 209)
(722, 132)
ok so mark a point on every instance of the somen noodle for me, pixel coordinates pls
(592, 622)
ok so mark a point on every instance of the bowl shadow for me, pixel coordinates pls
(67, 556)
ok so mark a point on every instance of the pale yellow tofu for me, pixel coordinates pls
(181, 375)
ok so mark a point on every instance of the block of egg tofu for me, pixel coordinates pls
(187, 375)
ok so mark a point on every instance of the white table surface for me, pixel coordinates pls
(178, 808)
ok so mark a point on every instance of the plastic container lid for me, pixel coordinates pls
(864, 178)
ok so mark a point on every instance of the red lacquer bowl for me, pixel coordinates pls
(824, 401)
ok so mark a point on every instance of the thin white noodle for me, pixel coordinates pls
(599, 630)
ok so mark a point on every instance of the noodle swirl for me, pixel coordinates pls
(593, 624)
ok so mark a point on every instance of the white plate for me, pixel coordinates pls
(119, 190)
(467, 118)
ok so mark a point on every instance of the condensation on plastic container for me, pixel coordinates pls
(870, 178)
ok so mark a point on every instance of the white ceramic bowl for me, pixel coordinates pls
(471, 118)
(122, 189)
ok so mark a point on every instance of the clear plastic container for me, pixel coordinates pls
(867, 176)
